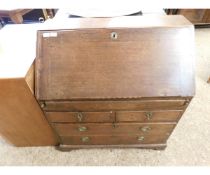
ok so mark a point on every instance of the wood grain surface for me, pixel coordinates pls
(117, 105)
(135, 65)
(124, 129)
(140, 62)
(114, 140)
(22, 122)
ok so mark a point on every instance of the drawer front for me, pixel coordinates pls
(98, 117)
(114, 140)
(114, 129)
(123, 105)
(148, 116)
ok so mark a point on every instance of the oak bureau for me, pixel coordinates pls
(114, 82)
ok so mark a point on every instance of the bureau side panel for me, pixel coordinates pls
(22, 122)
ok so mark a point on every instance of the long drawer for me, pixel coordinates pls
(114, 129)
(123, 105)
(114, 140)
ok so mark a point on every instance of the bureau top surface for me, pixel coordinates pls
(120, 22)
(136, 62)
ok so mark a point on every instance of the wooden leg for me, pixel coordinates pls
(208, 80)
(160, 148)
(66, 148)
(45, 14)
(16, 18)
(1, 22)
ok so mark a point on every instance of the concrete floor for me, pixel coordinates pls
(188, 145)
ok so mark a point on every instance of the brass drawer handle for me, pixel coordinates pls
(140, 138)
(149, 115)
(82, 128)
(145, 128)
(85, 139)
(79, 116)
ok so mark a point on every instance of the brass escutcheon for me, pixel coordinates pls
(148, 115)
(79, 116)
(114, 35)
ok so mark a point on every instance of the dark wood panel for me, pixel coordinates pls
(149, 116)
(133, 65)
(100, 117)
(153, 129)
(206, 16)
(133, 105)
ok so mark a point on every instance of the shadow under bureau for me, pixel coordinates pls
(118, 82)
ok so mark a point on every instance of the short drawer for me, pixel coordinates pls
(114, 140)
(114, 129)
(72, 117)
(148, 116)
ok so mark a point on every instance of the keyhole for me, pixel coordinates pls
(113, 35)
